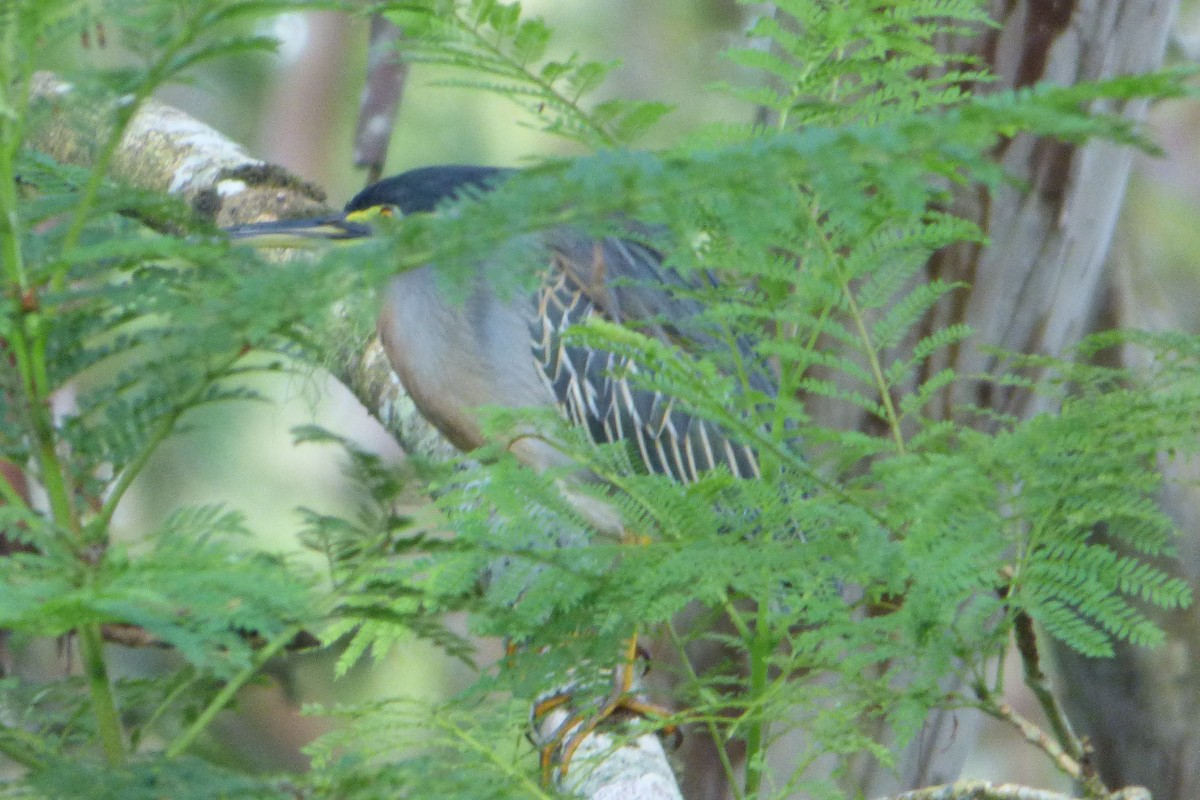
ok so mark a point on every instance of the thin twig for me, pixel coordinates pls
(1035, 736)
(386, 74)
(227, 693)
(1037, 682)
(22, 747)
(1076, 769)
(128, 635)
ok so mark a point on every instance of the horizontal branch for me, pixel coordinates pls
(128, 635)
(982, 790)
(166, 150)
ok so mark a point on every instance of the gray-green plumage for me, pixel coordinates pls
(453, 358)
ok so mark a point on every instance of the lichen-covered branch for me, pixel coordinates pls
(169, 151)
(981, 790)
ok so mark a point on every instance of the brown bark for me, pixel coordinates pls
(386, 76)
(1039, 286)
(1137, 709)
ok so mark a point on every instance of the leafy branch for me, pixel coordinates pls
(501, 52)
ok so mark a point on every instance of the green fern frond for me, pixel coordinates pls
(858, 60)
(504, 53)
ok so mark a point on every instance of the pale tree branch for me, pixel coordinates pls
(166, 150)
(604, 765)
(981, 790)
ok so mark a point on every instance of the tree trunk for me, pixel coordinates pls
(1039, 287)
(1139, 708)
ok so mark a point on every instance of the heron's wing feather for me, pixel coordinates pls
(629, 284)
(626, 282)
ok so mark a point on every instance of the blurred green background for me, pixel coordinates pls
(299, 110)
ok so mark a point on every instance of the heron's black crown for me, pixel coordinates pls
(422, 190)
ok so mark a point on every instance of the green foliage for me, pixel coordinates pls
(141, 328)
(847, 62)
(1077, 585)
(191, 590)
(498, 50)
(180, 779)
(885, 556)
(434, 741)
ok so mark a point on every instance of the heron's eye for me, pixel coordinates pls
(387, 211)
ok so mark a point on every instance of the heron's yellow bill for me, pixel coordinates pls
(306, 232)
